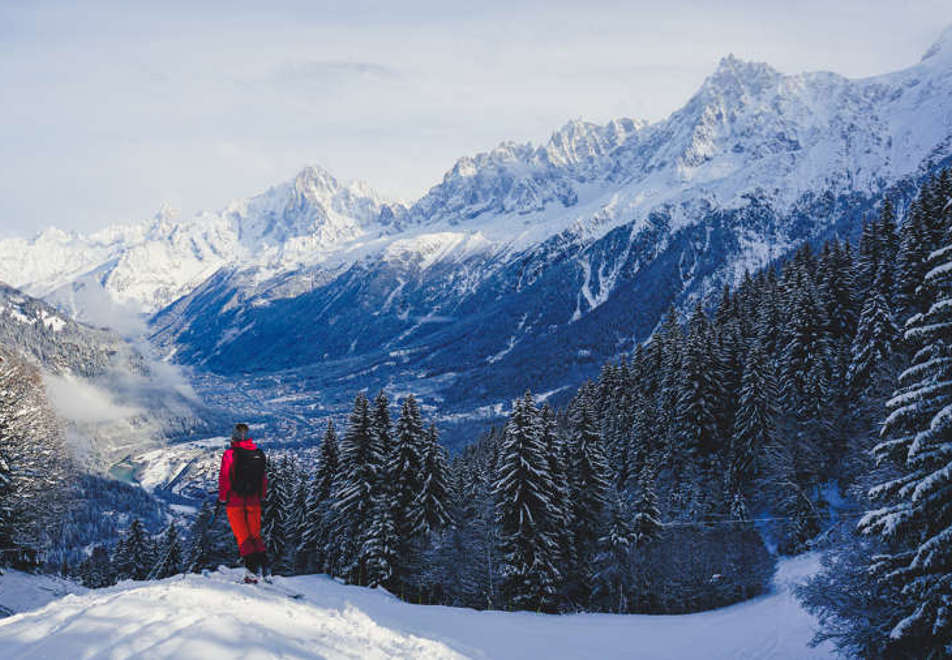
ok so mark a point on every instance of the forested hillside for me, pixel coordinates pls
(671, 482)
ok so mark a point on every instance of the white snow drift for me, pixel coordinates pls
(196, 617)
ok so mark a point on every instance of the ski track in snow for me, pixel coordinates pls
(196, 617)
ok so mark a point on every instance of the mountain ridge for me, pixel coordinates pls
(575, 247)
(285, 226)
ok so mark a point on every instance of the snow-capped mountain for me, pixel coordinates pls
(150, 264)
(570, 250)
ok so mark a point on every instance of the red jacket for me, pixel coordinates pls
(224, 479)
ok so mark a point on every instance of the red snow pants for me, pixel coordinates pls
(245, 519)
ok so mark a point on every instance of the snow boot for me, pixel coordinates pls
(250, 578)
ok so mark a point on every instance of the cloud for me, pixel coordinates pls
(87, 301)
(81, 402)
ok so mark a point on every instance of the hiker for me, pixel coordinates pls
(242, 484)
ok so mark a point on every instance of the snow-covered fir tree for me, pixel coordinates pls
(612, 571)
(311, 553)
(754, 423)
(135, 554)
(405, 474)
(528, 551)
(354, 499)
(36, 467)
(97, 570)
(169, 555)
(916, 512)
(198, 552)
(433, 497)
(873, 346)
(698, 397)
(590, 483)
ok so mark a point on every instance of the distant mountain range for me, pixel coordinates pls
(526, 266)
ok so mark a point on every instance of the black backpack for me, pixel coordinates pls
(247, 471)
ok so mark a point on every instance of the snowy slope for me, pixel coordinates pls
(196, 617)
(22, 592)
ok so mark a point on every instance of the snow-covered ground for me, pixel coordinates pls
(196, 617)
(22, 592)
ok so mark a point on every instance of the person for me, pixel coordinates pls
(242, 484)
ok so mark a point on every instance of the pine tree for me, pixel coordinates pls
(612, 573)
(807, 342)
(379, 545)
(434, 495)
(302, 492)
(698, 400)
(645, 529)
(198, 556)
(361, 464)
(290, 493)
(7, 509)
(35, 465)
(873, 346)
(405, 474)
(560, 505)
(888, 240)
(382, 428)
(274, 511)
(646, 523)
(310, 553)
(455, 564)
(97, 571)
(755, 422)
(527, 548)
(590, 480)
(169, 555)
(836, 295)
(911, 262)
(917, 513)
(670, 345)
(135, 556)
(805, 395)
(870, 256)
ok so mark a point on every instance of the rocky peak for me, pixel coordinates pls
(737, 79)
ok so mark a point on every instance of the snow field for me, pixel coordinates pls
(196, 617)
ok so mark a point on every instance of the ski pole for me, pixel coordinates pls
(217, 509)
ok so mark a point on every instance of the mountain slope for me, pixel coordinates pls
(110, 394)
(574, 248)
(191, 616)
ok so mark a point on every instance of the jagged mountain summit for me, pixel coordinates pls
(570, 249)
(148, 265)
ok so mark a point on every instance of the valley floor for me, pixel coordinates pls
(197, 617)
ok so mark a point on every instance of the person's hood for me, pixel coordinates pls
(247, 443)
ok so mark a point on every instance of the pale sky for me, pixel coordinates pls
(108, 112)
